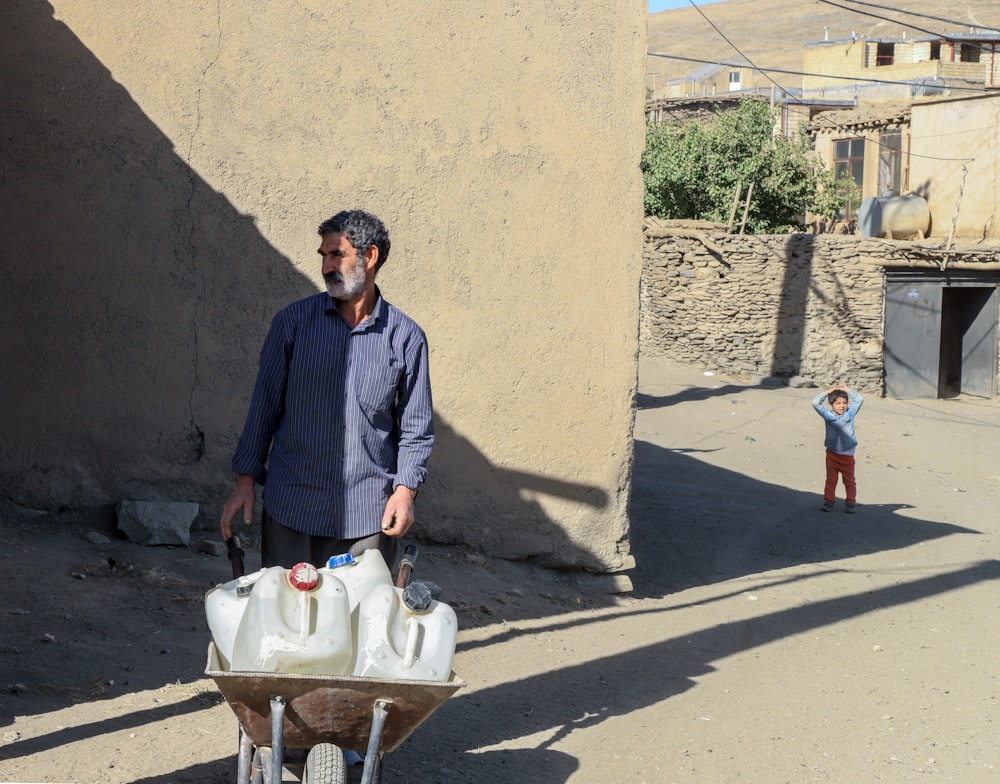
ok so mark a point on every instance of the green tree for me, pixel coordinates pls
(834, 193)
(673, 163)
(692, 171)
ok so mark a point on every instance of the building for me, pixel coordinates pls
(715, 78)
(918, 118)
(899, 68)
(945, 150)
(867, 143)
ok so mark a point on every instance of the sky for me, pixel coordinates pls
(663, 5)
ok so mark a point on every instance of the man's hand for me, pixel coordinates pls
(243, 498)
(398, 515)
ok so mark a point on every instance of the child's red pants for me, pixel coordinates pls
(837, 466)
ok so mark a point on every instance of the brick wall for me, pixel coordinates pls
(911, 61)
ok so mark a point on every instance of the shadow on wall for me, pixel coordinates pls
(464, 488)
(923, 190)
(791, 322)
(134, 302)
(134, 296)
(802, 301)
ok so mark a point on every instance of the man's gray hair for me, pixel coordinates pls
(362, 230)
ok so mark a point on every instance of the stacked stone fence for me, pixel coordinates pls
(807, 306)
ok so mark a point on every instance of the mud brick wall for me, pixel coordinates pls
(776, 305)
(190, 152)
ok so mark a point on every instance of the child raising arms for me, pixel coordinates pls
(840, 442)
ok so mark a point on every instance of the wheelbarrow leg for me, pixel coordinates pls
(277, 738)
(244, 759)
(371, 757)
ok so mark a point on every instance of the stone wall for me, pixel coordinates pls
(789, 305)
(805, 306)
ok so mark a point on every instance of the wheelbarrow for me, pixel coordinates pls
(285, 716)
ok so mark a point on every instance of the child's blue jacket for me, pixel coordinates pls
(840, 436)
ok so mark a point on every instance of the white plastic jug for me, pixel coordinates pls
(359, 574)
(224, 607)
(296, 621)
(395, 641)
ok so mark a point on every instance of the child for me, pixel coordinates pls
(840, 442)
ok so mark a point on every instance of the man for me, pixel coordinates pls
(340, 424)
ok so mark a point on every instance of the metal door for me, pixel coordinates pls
(912, 338)
(979, 344)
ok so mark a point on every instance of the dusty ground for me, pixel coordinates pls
(765, 641)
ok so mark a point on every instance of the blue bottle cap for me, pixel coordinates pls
(345, 559)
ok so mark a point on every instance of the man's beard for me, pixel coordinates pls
(349, 286)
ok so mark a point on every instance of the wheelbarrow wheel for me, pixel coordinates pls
(325, 765)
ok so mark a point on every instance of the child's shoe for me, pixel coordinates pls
(850, 508)
(828, 506)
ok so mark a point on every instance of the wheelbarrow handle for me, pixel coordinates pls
(235, 552)
(406, 566)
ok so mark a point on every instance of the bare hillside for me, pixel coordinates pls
(771, 33)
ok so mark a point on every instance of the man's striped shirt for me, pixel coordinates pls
(340, 416)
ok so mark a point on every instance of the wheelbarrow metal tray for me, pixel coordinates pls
(328, 708)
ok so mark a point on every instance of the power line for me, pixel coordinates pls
(907, 13)
(735, 47)
(765, 72)
(945, 36)
(978, 90)
(792, 99)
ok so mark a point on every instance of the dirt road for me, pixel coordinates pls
(765, 641)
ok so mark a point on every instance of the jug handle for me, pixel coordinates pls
(406, 566)
(235, 553)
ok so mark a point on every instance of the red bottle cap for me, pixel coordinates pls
(303, 577)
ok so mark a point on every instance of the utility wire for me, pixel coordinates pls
(765, 72)
(911, 154)
(737, 49)
(979, 90)
(910, 13)
(945, 36)
(792, 98)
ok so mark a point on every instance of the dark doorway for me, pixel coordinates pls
(968, 342)
(941, 334)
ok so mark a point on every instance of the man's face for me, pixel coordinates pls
(839, 406)
(343, 267)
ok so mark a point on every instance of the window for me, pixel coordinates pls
(935, 50)
(970, 53)
(885, 54)
(890, 161)
(735, 80)
(849, 158)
